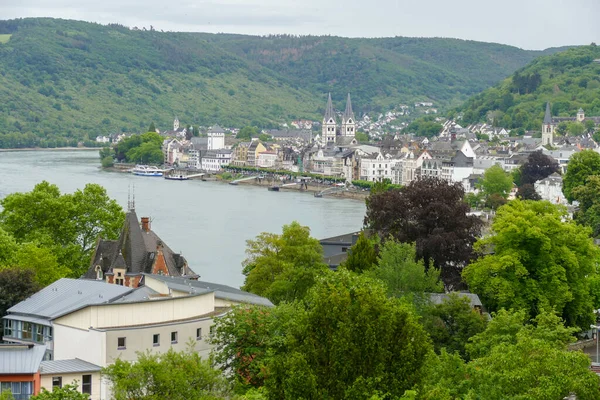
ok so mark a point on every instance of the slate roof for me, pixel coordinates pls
(136, 250)
(347, 238)
(20, 359)
(74, 365)
(329, 113)
(348, 113)
(548, 115)
(64, 296)
(221, 291)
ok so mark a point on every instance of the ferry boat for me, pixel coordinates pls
(176, 177)
(145, 170)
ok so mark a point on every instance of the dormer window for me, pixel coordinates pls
(99, 274)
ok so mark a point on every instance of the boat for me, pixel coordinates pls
(176, 177)
(145, 170)
(318, 194)
(273, 188)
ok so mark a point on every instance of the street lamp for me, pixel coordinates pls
(596, 327)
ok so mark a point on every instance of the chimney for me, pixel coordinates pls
(145, 224)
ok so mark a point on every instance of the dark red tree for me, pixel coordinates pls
(431, 213)
(538, 166)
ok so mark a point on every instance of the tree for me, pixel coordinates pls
(320, 352)
(152, 127)
(145, 148)
(495, 181)
(590, 125)
(263, 137)
(16, 284)
(581, 166)
(575, 128)
(362, 137)
(67, 392)
(404, 275)
(588, 196)
(539, 262)
(432, 214)
(152, 377)
(362, 256)
(528, 192)
(283, 267)
(452, 323)
(537, 167)
(248, 132)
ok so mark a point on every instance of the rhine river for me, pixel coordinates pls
(208, 222)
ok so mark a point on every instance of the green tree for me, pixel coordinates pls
(283, 267)
(152, 127)
(588, 196)
(67, 392)
(575, 128)
(362, 137)
(539, 262)
(581, 166)
(108, 162)
(404, 275)
(495, 181)
(362, 256)
(16, 284)
(452, 323)
(248, 132)
(171, 375)
(263, 137)
(431, 213)
(321, 352)
(590, 125)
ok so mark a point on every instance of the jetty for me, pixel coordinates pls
(248, 178)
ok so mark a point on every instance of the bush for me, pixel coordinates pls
(108, 162)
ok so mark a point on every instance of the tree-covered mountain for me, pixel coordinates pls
(569, 80)
(70, 79)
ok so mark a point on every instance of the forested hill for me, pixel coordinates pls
(79, 79)
(569, 80)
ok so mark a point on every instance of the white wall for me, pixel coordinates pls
(68, 379)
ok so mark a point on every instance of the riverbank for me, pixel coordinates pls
(51, 149)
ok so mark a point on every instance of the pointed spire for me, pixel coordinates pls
(348, 113)
(329, 113)
(548, 116)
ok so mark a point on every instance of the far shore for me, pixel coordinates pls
(51, 149)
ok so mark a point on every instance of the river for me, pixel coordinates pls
(208, 222)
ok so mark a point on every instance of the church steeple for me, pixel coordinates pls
(348, 122)
(329, 125)
(548, 127)
(548, 115)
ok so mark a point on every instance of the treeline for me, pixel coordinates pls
(569, 80)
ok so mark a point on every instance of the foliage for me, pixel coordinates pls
(495, 181)
(171, 375)
(588, 196)
(537, 167)
(452, 323)
(404, 275)
(283, 267)
(362, 256)
(107, 162)
(108, 78)
(362, 137)
(144, 149)
(320, 352)
(431, 213)
(528, 192)
(568, 79)
(248, 132)
(67, 392)
(16, 284)
(539, 262)
(424, 126)
(6, 395)
(581, 166)
(515, 360)
(66, 224)
(268, 171)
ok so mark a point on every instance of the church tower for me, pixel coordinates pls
(580, 115)
(548, 128)
(216, 138)
(329, 124)
(176, 124)
(348, 121)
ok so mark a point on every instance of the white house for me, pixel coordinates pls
(216, 138)
(267, 159)
(215, 160)
(550, 189)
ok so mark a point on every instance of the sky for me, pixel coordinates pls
(528, 24)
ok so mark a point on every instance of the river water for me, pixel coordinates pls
(208, 222)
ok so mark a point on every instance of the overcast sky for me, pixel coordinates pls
(529, 24)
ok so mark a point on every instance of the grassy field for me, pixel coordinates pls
(4, 38)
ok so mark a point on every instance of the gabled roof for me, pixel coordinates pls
(329, 113)
(20, 358)
(221, 291)
(74, 365)
(65, 296)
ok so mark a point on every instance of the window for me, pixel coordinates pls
(39, 333)
(121, 343)
(8, 327)
(156, 339)
(26, 332)
(56, 382)
(173, 337)
(86, 384)
(199, 334)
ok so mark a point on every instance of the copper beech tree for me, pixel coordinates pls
(431, 213)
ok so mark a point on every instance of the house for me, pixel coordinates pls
(550, 188)
(57, 373)
(335, 249)
(95, 322)
(216, 138)
(300, 135)
(240, 154)
(267, 159)
(378, 167)
(254, 149)
(172, 151)
(19, 369)
(215, 160)
(138, 250)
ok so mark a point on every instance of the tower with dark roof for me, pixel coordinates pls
(348, 121)
(548, 127)
(329, 127)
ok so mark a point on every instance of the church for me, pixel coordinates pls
(550, 123)
(331, 133)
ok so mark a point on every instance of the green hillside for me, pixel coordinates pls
(569, 80)
(64, 80)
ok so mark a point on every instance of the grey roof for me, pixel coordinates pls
(438, 298)
(221, 291)
(348, 113)
(74, 365)
(329, 113)
(347, 238)
(216, 129)
(20, 359)
(548, 115)
(139, 294)
(67, 295)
